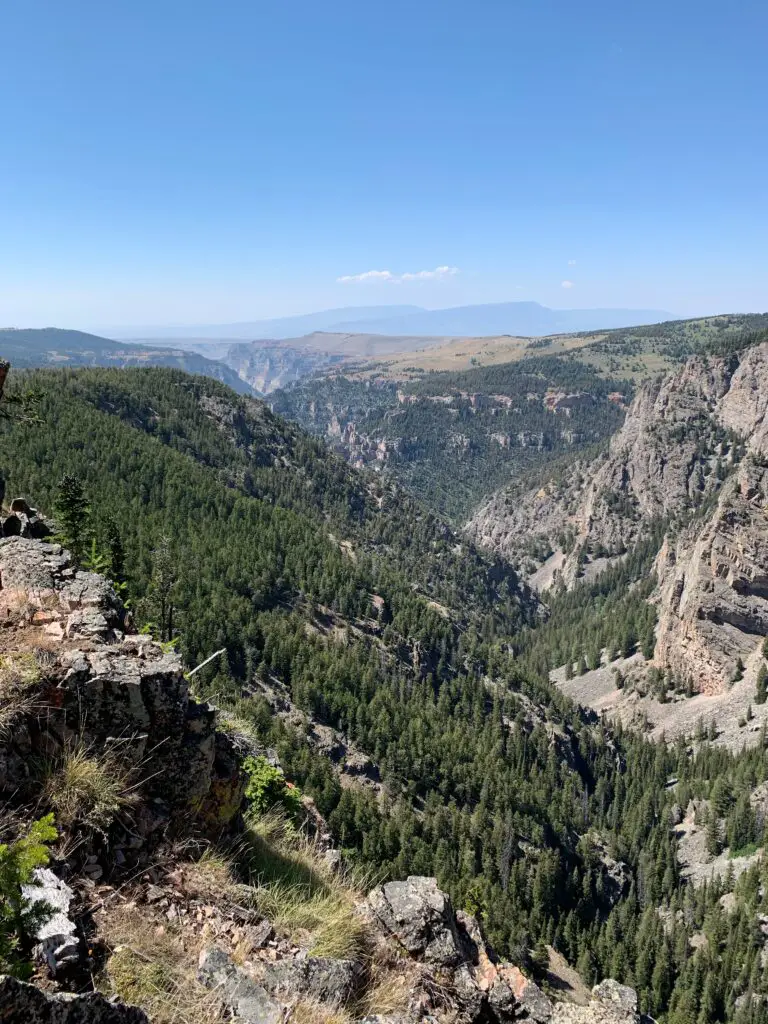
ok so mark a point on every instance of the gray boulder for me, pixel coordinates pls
(420, 917)
(249, 1002)
(24, 1004)
(320, 977)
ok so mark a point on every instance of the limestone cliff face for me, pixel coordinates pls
(662, 461)
(693, 447)
(713, 589)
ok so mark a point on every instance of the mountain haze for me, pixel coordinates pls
(53, 346)
(522, 318)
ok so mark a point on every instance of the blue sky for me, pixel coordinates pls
(169, 162)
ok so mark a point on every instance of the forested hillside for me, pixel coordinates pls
(231, 528)
(454, 437)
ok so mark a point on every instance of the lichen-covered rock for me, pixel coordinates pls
(56, 935)
(420, 916)
(25, 1004)
(320, 977)
(250, 1003)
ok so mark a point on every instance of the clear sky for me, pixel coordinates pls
(216, 160)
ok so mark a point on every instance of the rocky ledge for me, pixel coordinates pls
(103, 687)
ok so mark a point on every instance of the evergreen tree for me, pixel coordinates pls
(761, 694)
(72, 512)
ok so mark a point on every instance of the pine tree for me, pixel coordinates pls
(714, 842)
(761, 694)
(161, 593)
(72, 512)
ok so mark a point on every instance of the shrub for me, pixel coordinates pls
(267, 787)
(18, 861)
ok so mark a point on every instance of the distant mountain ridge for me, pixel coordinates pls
(520, 318)
(54, 346)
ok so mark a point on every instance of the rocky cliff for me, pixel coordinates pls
(690, 456)
(713, 586)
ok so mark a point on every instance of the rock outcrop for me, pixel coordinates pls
(106, 689)
(451, 947)
(25, 1004)
(660, 463)
(713, 593)
(238, 992)
(611, 1004)
(692, 454)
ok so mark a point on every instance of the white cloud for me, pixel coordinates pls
(430, 275)
(386, 275)
(369, 275)
(566, 284)
(571, 263)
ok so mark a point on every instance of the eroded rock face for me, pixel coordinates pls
(657, 464)
(713, 593)
(106, 688)
(24, 1004)
(675, 454)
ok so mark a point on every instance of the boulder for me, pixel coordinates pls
(249, 1002)
(21, 1003)
(420, 917)
(322, 978)
(56, 934)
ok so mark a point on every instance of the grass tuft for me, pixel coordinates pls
(19, 675)
(292, 886)
(88, 787)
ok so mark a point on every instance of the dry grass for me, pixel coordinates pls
(88, 787)
(291, 885)
(155, 968)
(309, 1011)
(388, 992)
(19, 675)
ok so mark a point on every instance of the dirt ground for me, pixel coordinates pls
(679, 716)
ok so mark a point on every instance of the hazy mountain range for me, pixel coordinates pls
(520, 318)
(56, 347)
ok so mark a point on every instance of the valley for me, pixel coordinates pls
(509, 635)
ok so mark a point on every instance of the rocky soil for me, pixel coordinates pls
(679, 715)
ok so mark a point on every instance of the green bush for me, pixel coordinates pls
(18, 860)
(267, 787)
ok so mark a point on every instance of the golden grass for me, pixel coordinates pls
(291, 885)
(155, 968)
(88, 787)
(388, 992)
(309, 1011)
(19, 674)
